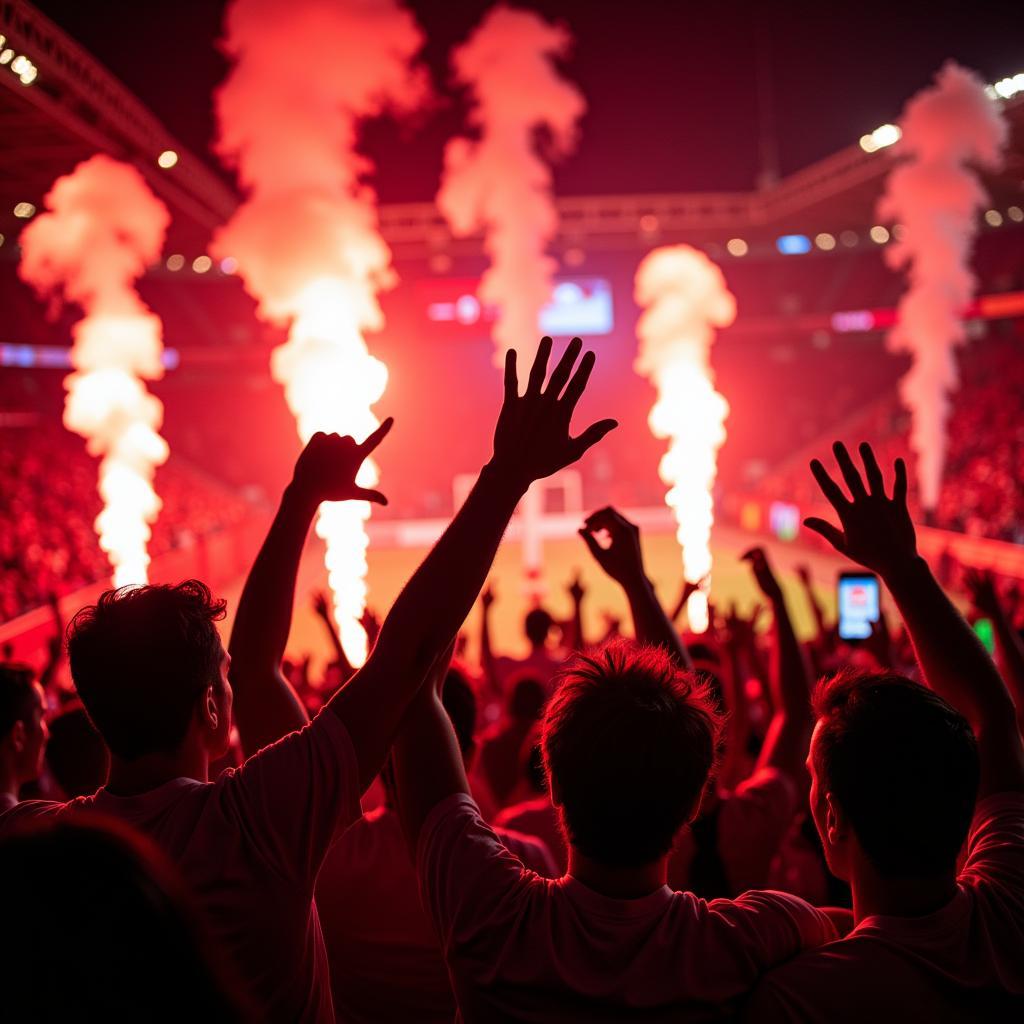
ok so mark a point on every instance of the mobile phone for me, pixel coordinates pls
(858, 597)
(986, 634)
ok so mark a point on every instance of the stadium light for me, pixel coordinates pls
(1006, 88)
(1015, 213)
(793, 245)
(167, 159)
(737, 247)
(175, 261)
(879, 234)
(993, 218)
(201, 264)
(884, 135)
(24, 210)
(825, 241)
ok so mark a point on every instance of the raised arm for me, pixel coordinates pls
(531, 441)
(1009, 647)
(877, 532)
(623, 560)
(322, 608)
(266, 707)
(789, 732)
(487, 661)
(577, 592)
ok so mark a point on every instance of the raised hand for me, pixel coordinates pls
(763, 573)
(488, 595)
(875, 530)
(322, 606)
(622, 558)
(327, 468)
(532, 439)
(576, 589)
(981, 586)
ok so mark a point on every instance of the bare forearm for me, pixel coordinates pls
(952, 658)
(428, 764)
(440, 594)
(265, 704)
(650, 623)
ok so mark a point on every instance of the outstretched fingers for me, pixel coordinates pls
(511, 376)
(377, 436)
(899, 487)
(831, 533)
(872, 471)
(829, 487)
(594, 433)
(849, 471)
(365, 494)
(561, 372)
(540, 367)
(579, 381)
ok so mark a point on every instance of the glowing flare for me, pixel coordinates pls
(685, 297)
(498, 181)
(305, 242)
(935, 194)
(102, 227)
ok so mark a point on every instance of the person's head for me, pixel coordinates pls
(459, 701)
(101, 909)
(23, 730)
(531, 761)
(151, 670)
(76, 755)
(629, 742)
(538, 625)
(526, 699)
(894, 775)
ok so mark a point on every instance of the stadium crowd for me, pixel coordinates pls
(656, 828)
(48, 543)
(980, 493)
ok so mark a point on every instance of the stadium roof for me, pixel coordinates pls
(59, 105)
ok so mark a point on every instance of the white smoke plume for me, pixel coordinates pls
(101, 229)
(306, 239)
(500, 181)
(685, 297)
(948, 129)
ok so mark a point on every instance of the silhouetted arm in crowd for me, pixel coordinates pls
(789, 732)
(488, 664)
(531, 441)
(55, 648)
(877, 532)
(623, 561)
(266, 707)
(322, 607)
(1009, 647)
(737, 724)
(577, 641)
(684, 596)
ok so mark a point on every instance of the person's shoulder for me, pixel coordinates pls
(33, 810)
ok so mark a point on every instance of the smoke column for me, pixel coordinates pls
(685, 297)
(306, 239)
(500, 182)
(936, 195)
(102, 228)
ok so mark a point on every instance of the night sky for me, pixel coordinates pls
(671, 86)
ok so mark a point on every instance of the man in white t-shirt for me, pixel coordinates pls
(629, 741)
(151, 671)
(895, 772)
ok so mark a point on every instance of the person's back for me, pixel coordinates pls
(98, 926)
(901, 775)
(629, 741)
(958, 961)
(150, 669)
(385, 957)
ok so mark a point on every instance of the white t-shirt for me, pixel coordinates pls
(524, 948)
(250, 846)
(386, 962)
(963, 963)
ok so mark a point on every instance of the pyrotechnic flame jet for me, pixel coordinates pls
(935, 194)
(101, 229)
(306, 241)
(685, 298)
(499, 181)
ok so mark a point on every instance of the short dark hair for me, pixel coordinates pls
(140, 657)
(527, 697)
(902, 764)
(75, 753)
(629, 742)
(15, 695)
(459, 701)
(538, 624)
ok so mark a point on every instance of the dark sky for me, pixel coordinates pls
(671, 86)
